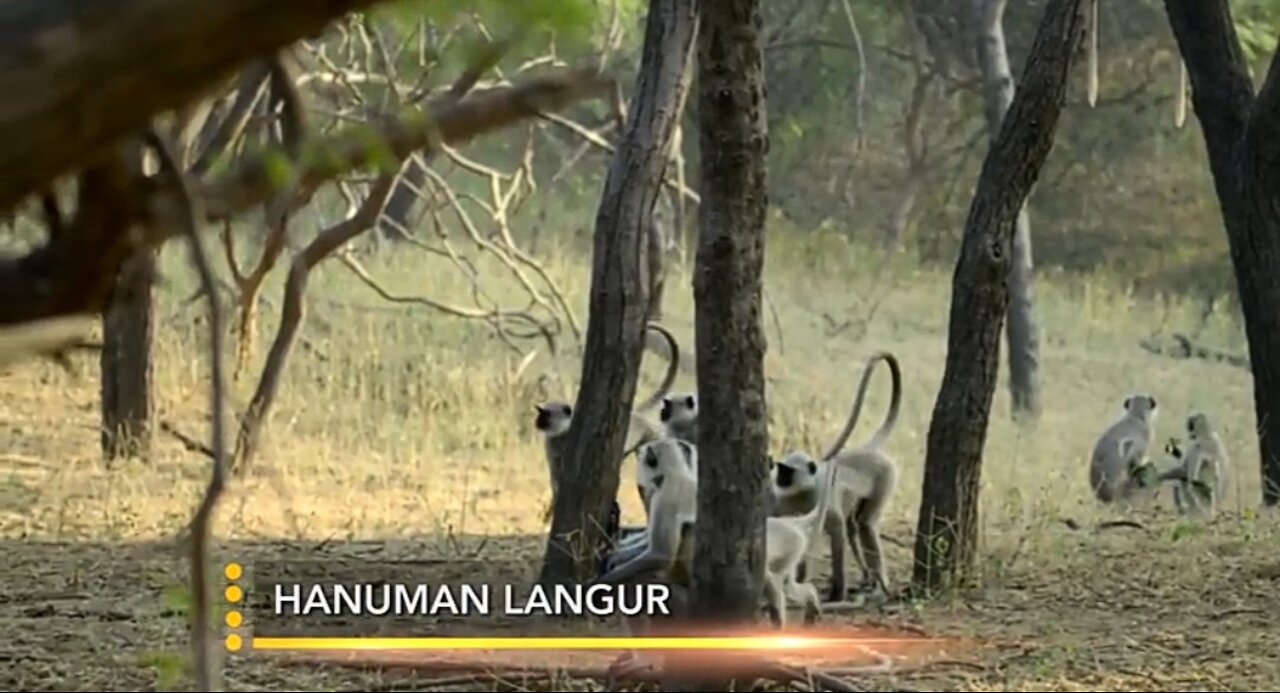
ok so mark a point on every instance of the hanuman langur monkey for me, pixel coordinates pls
(553, 418)
(1121, 450)
(865, 480)
(1202, 473)
(786, 545)
(679, 416)
(667, 554)
(647, 479)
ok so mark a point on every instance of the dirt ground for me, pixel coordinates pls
(85, 616)
(389, 441)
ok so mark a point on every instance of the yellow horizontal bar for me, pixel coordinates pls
(557, 643)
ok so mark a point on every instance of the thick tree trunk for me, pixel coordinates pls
(619, 301)
(125, 362)
(733, 434)
(947, 529)
(1022, 330)
(1242, 135)
(66, 58)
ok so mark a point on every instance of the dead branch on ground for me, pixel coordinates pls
(459, 673)
(1180, 346)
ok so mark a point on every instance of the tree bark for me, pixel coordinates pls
(656, 269)
(733, 436)
(125, 362)
(947, 527)
(1242, 135)
(67, 60)
(619, 301)
(1022, 330)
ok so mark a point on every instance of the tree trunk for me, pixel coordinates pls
(57, 52)
(947, 529)
(394, 223)
(656, 267)
(1022, 331)
(733, 434)
(619, 301)
(1242, 135)
(125, 362)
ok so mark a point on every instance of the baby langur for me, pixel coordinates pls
(786, 545)
(865, 480)
(667, 554)
(679, 416)
(1121, 449)
(1202, 474)
(553, 418)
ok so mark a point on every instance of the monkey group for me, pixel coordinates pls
(1121, 472)
(842, 494)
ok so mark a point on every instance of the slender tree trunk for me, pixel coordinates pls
(656, 270)
(1022, 330)
(947, 529)
(733, 433)
(125, 362)
(619, 297)
(1242, 135)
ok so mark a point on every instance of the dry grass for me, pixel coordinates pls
(406, 427)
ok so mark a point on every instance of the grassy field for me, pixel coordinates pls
(410, 431)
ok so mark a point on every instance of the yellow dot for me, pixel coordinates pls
(234, 619)
(234, 593)
(233, 642)
(233, 571)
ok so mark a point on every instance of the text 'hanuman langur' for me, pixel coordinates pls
(400, 599)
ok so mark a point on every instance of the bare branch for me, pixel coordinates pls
(207, 675)
(860, 87)
(72, 274)
(293, 312)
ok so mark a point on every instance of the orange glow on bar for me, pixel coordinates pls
(748, 642)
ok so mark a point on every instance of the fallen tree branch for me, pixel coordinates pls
(481, 672)
(73, 272)
(1075, 525)
(1180, 346)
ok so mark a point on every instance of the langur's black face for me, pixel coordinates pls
(664, 414)
(548, 413)
(785, 475)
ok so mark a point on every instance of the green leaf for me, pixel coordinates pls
(568, 16)
(169, 667)
(278, 167)
(178, 598)
(1183, 530)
